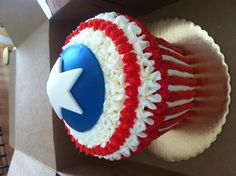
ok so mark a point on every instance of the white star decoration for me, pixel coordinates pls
(59, 87)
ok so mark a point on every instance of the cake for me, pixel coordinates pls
(117, 87)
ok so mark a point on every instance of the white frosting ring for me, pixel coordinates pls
(112, 66)
(147, 90)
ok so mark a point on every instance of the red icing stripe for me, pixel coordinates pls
(132, 78)
(178, 95)
(177, 109)
(176, 80)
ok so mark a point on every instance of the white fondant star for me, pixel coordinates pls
(59, 87)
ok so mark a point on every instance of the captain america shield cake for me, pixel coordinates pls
(117, 87)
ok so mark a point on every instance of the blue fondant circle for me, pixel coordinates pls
(89, 89)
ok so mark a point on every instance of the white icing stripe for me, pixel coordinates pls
(147, 91)
(174, 88)
(179, 102)
(112, 67)
(163, 47)
(169, 127)
(170, 117)
(172, 59)
(172, 72)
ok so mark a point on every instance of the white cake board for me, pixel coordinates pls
(206, 120)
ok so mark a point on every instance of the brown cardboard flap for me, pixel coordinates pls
(33, 114)
(21, 18)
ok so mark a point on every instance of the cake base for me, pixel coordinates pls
(201, 128)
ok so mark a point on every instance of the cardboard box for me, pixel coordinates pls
(36, 132)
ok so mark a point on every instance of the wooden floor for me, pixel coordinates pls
(4, 107)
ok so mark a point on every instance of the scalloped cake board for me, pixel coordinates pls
(207, 118)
